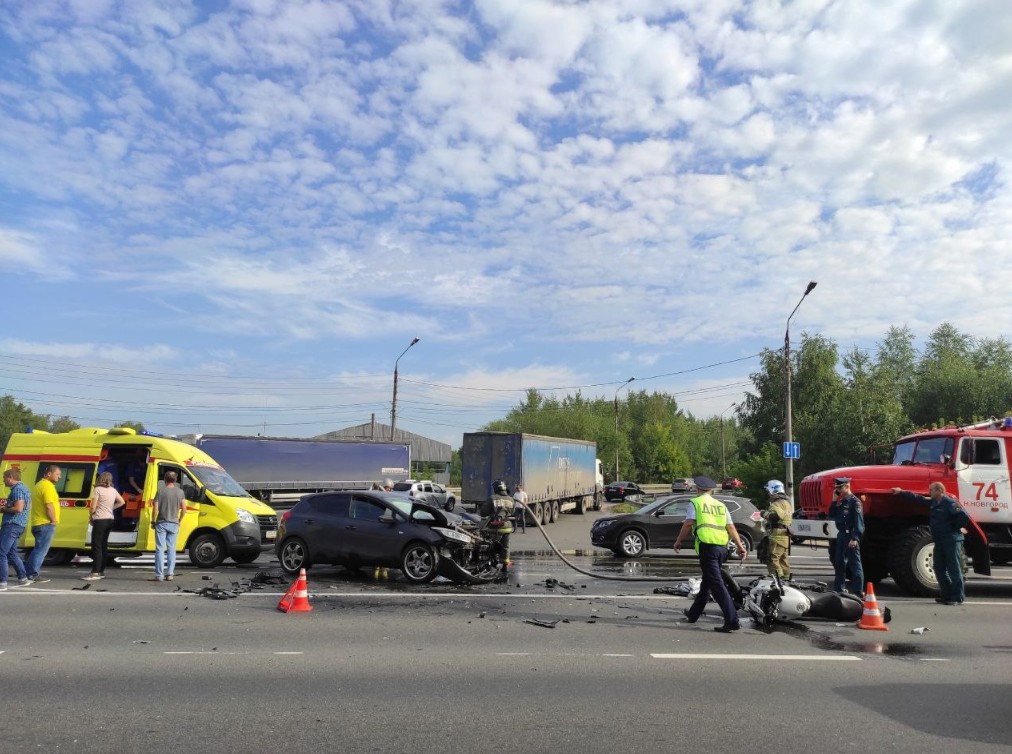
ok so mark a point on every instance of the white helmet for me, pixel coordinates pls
(773, 486)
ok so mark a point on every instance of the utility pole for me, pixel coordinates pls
(787, 412)
(393, 404)
(616, 424)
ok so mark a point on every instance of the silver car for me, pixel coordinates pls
(427, 491)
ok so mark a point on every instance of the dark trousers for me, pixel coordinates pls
(711, 558)
(948, 567)
(849, 571)
(100, 543)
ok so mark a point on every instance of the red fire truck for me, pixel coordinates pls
(973, 464)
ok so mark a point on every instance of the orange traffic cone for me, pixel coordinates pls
(871, 619)
(296, 599)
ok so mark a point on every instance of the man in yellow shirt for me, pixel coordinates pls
(44, 518)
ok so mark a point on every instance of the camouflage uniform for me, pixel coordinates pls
(778, 517)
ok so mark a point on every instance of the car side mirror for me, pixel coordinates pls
(387, 517)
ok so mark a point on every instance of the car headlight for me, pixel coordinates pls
(602, 523)
(453, 534)
(245, 516)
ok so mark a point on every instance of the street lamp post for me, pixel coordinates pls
(787, 373)
(616, 424)
(393, 405)
(723, 459)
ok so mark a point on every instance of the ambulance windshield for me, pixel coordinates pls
(218, 481)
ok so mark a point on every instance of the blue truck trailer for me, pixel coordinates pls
(558, 474)
(276, 469)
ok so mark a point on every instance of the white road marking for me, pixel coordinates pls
(933, 659)
(812, 658)
(288, 653)
(616, 655)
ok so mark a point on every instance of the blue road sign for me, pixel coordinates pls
(792, 450)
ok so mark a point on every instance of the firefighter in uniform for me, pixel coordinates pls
(496, 513)
(710, 523)
(846, 512)
(778, 518)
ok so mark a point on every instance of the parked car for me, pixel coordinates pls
(732, 484)
(424, 490)
(621, 490)
(683, 485)
(655, 525)
(388, 529)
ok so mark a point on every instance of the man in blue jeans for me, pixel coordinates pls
(169, 508)
(15, 520)
(44, 517)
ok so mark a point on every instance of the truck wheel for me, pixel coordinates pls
(632, 543)
(539, 512)
(910, 562)
(207, 550)
(555, 512)
(58, 557)
(546, 514)
(580, 505)
(597, 501)
(875, 564)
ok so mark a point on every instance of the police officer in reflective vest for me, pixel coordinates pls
(710, 522)
(846, 511)
(778, 517)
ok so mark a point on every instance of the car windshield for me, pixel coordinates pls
(218, 481)
(402, 486)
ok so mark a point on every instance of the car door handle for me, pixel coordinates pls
(310, 521)
(351, 526)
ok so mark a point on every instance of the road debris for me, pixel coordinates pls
(542, 623)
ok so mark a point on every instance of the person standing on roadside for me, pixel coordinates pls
(520, 507)
(778, 517)
(846, 511)
(168, 510)
(44, 518)
(710, 523)
(946, 520)
(15, 520)
(103, 502)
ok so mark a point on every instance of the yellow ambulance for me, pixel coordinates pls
(223, 520)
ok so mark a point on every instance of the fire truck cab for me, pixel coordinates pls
(973, 464)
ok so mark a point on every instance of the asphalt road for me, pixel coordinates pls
(127, 665)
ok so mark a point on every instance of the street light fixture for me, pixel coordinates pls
(723, 460)
(393, 405)
(787, 372)
(616, 424)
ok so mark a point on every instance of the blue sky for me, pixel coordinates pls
(234, 216)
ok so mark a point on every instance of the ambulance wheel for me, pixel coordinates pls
(207, 550)
(246, 557)
(58, 557)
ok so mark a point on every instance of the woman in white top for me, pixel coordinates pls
(105, 500)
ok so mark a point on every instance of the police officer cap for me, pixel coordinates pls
(841, 480)
(704, 483)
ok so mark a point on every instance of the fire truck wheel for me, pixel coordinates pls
(910, 562)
